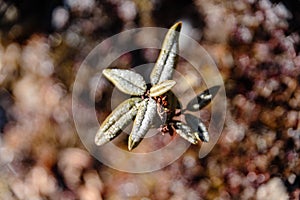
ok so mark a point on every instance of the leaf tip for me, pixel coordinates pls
(177, 26)
(105, 72)
(100, 138)
(131, 144)
(214, 90)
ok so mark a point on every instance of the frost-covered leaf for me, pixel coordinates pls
(117, 120)
(203, 99)
(161, 88)
(164, 66)
(186, 132)
(142, 122)
(126, 81)
(198, 126)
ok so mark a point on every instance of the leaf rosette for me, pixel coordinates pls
(149, 101)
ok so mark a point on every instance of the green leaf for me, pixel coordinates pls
(198, 126)
(161, 88)
(126, 81)
(164, 66)
(142, 122)
(117, 120)
(203, 99)
(186, 132)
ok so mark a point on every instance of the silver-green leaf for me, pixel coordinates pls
(164, 66)
(161, 88)
(117, 120)
(142, 122)
(126, 81)
(203, 99)
(186, 132)
(197, 125)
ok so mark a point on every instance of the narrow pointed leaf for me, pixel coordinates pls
(161, 88)
(198, 126)
(164, 66)
(142, 122)
(186, 132)
(126, 81)
(117, 120)
(203, 99)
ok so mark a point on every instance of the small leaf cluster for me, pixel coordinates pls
(148, 102)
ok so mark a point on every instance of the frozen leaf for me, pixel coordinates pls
(161, 88)
(117, 120)
(126, 81)
(186, 132)
(197, 125)
(203, 99)
(164, 66)
(142, 122)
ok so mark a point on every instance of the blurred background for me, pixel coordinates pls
(255, 44)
